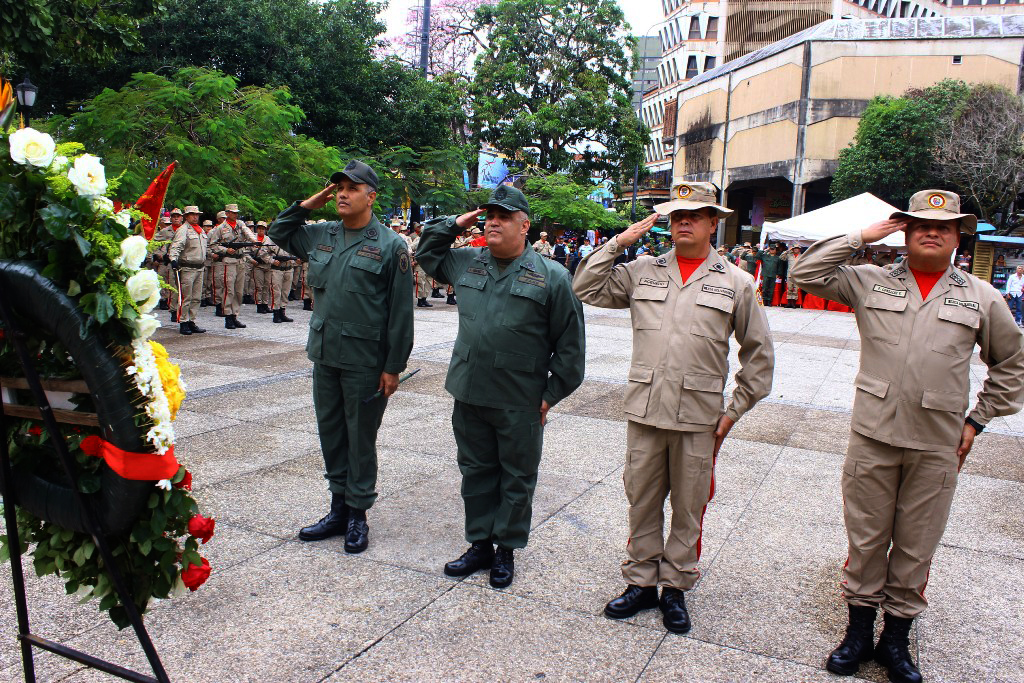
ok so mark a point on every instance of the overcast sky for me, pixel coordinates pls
(640, 14)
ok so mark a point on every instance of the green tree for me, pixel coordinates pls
(557, 200)
(892, 153)
(553, 81)
(232, 144)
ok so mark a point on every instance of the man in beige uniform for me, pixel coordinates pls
(262, 276)
(919, 323)
(229, 270)
(421, 280)
(188, 259)
(674, 401)
(208, 268)
(160, 260)
(542, 246)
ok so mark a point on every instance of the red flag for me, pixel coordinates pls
(153, 198)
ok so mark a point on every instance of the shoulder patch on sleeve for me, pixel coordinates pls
(403, 261)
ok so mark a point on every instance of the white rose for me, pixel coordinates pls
(102, 204)
(133, 250)
(88, 176)
(150, 303)
(32, 148)
(142, 284)
(145, 326)
(124, 218)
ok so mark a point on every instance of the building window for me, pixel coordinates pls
(694, 29)
(691, 66)
(712, 28)
(709, 63)
(958, 59)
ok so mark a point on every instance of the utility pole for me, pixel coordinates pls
(425, 39)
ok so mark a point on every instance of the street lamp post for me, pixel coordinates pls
(26, 96)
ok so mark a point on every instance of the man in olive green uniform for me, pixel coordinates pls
(911, 430)
(229, 269)
(188, 259)
(519, 351)
(771, 265)
(684, 306)
(360, 337)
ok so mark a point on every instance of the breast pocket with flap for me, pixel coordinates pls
(881, 317)
(648, 307)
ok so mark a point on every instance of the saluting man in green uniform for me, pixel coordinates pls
(519, 351)
(360, 337)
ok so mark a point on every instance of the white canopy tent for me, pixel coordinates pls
(834, 219)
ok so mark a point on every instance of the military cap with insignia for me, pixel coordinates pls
(692, 196)
(508, 198)
(357, 172)
(939, 205)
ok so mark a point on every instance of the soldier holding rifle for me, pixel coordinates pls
(188, 259)
(229, 241)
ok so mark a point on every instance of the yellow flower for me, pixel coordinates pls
(169, 375)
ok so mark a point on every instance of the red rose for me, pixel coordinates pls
(35, 430)
(201, 528)
(195, 576)
(186, 482)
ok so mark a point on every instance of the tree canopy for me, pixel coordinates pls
(556, 200)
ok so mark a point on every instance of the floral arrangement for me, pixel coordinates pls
(54, 210)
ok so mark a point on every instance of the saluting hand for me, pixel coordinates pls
(881, 229)
(630, 235)
(468, 220)
(320, 199)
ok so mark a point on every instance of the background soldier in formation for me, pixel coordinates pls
(262, 279)
(208, 268)
(281, 263)
(911, 432)
(519, 351)
(188, 259)
(229, 269)
(543, 247)
(684, 306)
(360, 338)
(160, 260)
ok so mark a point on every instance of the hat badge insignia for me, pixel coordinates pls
(684, 191)
(500, 192)
(351, 165)
(936, 201)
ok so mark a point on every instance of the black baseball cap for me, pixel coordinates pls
(357, 172)
(508, 198)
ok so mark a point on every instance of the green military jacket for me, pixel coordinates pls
(363, 292)
(771, 265)
(521, 335)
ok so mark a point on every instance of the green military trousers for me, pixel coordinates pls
(498, 454)
(348, 430)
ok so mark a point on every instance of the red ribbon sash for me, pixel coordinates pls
(135, 466)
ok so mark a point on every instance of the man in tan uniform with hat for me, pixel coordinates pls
(229, 269)
(160, 260)
(188, 259)
(542, 246)
(911, 430)
(261, 270)
(207, 299)
(684, 306)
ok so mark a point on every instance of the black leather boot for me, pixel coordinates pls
(358, 535)
(423, 303)
(451, 300)
(285, 318)
(204, 303)
(334, 524)
(174, 316)
(479, 556)
(504, 568)
(229, 322)
(673, 606)
(237, 322)
(219, 311)
(262, 308)
(163, 305)
(435, 293)
(307, 304)
(291, 296)
(184, 328)
(634, 599)
(893, 650)
(277, 315)
(195, 328)
(247, 299)
(858, 645)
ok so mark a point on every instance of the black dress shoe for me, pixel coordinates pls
(893, 650)
(358, 535)
(632, 601)
(237, 322)
(858, 644)
(479, 556)
(334, 524)
(504, 568)
(195, 328)
(673, 607)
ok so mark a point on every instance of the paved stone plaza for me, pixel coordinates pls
(767, 608)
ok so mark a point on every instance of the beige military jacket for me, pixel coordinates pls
(914, 379)
(681, 336)
(543, 248)
(224, 233)
(162, 235)
(188, 248)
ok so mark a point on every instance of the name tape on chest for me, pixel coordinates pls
(368, 252)
(724, 291)
(325, 247)
(651, 282)
(972, 305)
(534, 278)
(476, 271)
(901, 293)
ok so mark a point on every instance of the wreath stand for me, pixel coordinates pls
(51, 418)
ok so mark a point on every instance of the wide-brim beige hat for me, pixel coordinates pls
(222, 214)
(692, 196)
(939, 205)
(207, 223)
(192, 209)
(176, 210)
(231, 207)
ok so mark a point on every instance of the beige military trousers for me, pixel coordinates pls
(896, 503)
(250, 282)
(422, 283)
(678, 465)
(191, 292)
(281, 285)
(229, 279)
(262, 283)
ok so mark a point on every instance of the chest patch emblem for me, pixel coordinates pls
(957, 278)
(476, 271)
(718, 267)
(325, 247)
(901, 293)
(651, 282)
(371, 233)
(724, 291)
(369, 253)
(973, 305)
(896, 272)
